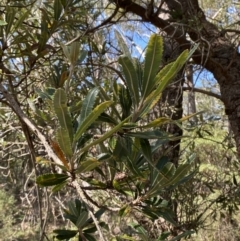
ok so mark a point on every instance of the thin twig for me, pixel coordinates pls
(89, 207)
(18, 111)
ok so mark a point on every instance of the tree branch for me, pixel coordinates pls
(18, 111)
(209, 93)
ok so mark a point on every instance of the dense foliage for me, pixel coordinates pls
(85, 152)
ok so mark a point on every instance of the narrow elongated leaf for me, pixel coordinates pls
(105, 136)
(151, 64)
(82, 218)
(131, 78)
(164, 77)
(87, 105)
(64, 141)
(181, 172)
(146, 149)
(156, 134)
(166, 174)
(89, 237)
(170, 71)
(10, 16)
(125, 210)
(20, 20)
(44, 36)
(190, 116)
(65, 234)
(74, 52)
(58, 187)
(184, 234)
(107, 118)
(125, 101)
(164, 179)
(59, 153)
(88, 165)
(139, 71)
(51, 179)
(157, 122)
(82, 56)
(148, 105)
(122, 44)
(91, 118)
(73, 210)
(62, 112)
(57, 6)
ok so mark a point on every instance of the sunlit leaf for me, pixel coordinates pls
(51, 179)
(88, 165)
(2, 23)
(131, 78)
(122, 44)
(87, 104)
(62, 137)
(151, 64)
(62, 112)
(91, 118)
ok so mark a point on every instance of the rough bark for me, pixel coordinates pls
(216, 53)
(191, 94)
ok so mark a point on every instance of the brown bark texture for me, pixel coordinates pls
(216, 52)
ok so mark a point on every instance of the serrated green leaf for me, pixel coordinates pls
(131, 78)
(73, 209)
(170, 71)
(146, 149)
(62, 112)
(125, 101)
(10, 16)
(163, 78)
(57, 7)
(139, 71)
(151, 64)
(122, 44)
(105, 136)
(87, 105)
(165, 175)
(155, 134)
(180, 173)
(64, 142)
(82, 218)
(88, 165)
(124, 211)
(51, 179)
(59, 187)
(157, 122)
(107, 118)
(91, 118)
(74, 52)
(79, 205)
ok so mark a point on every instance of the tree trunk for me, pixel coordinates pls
(191, 94)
